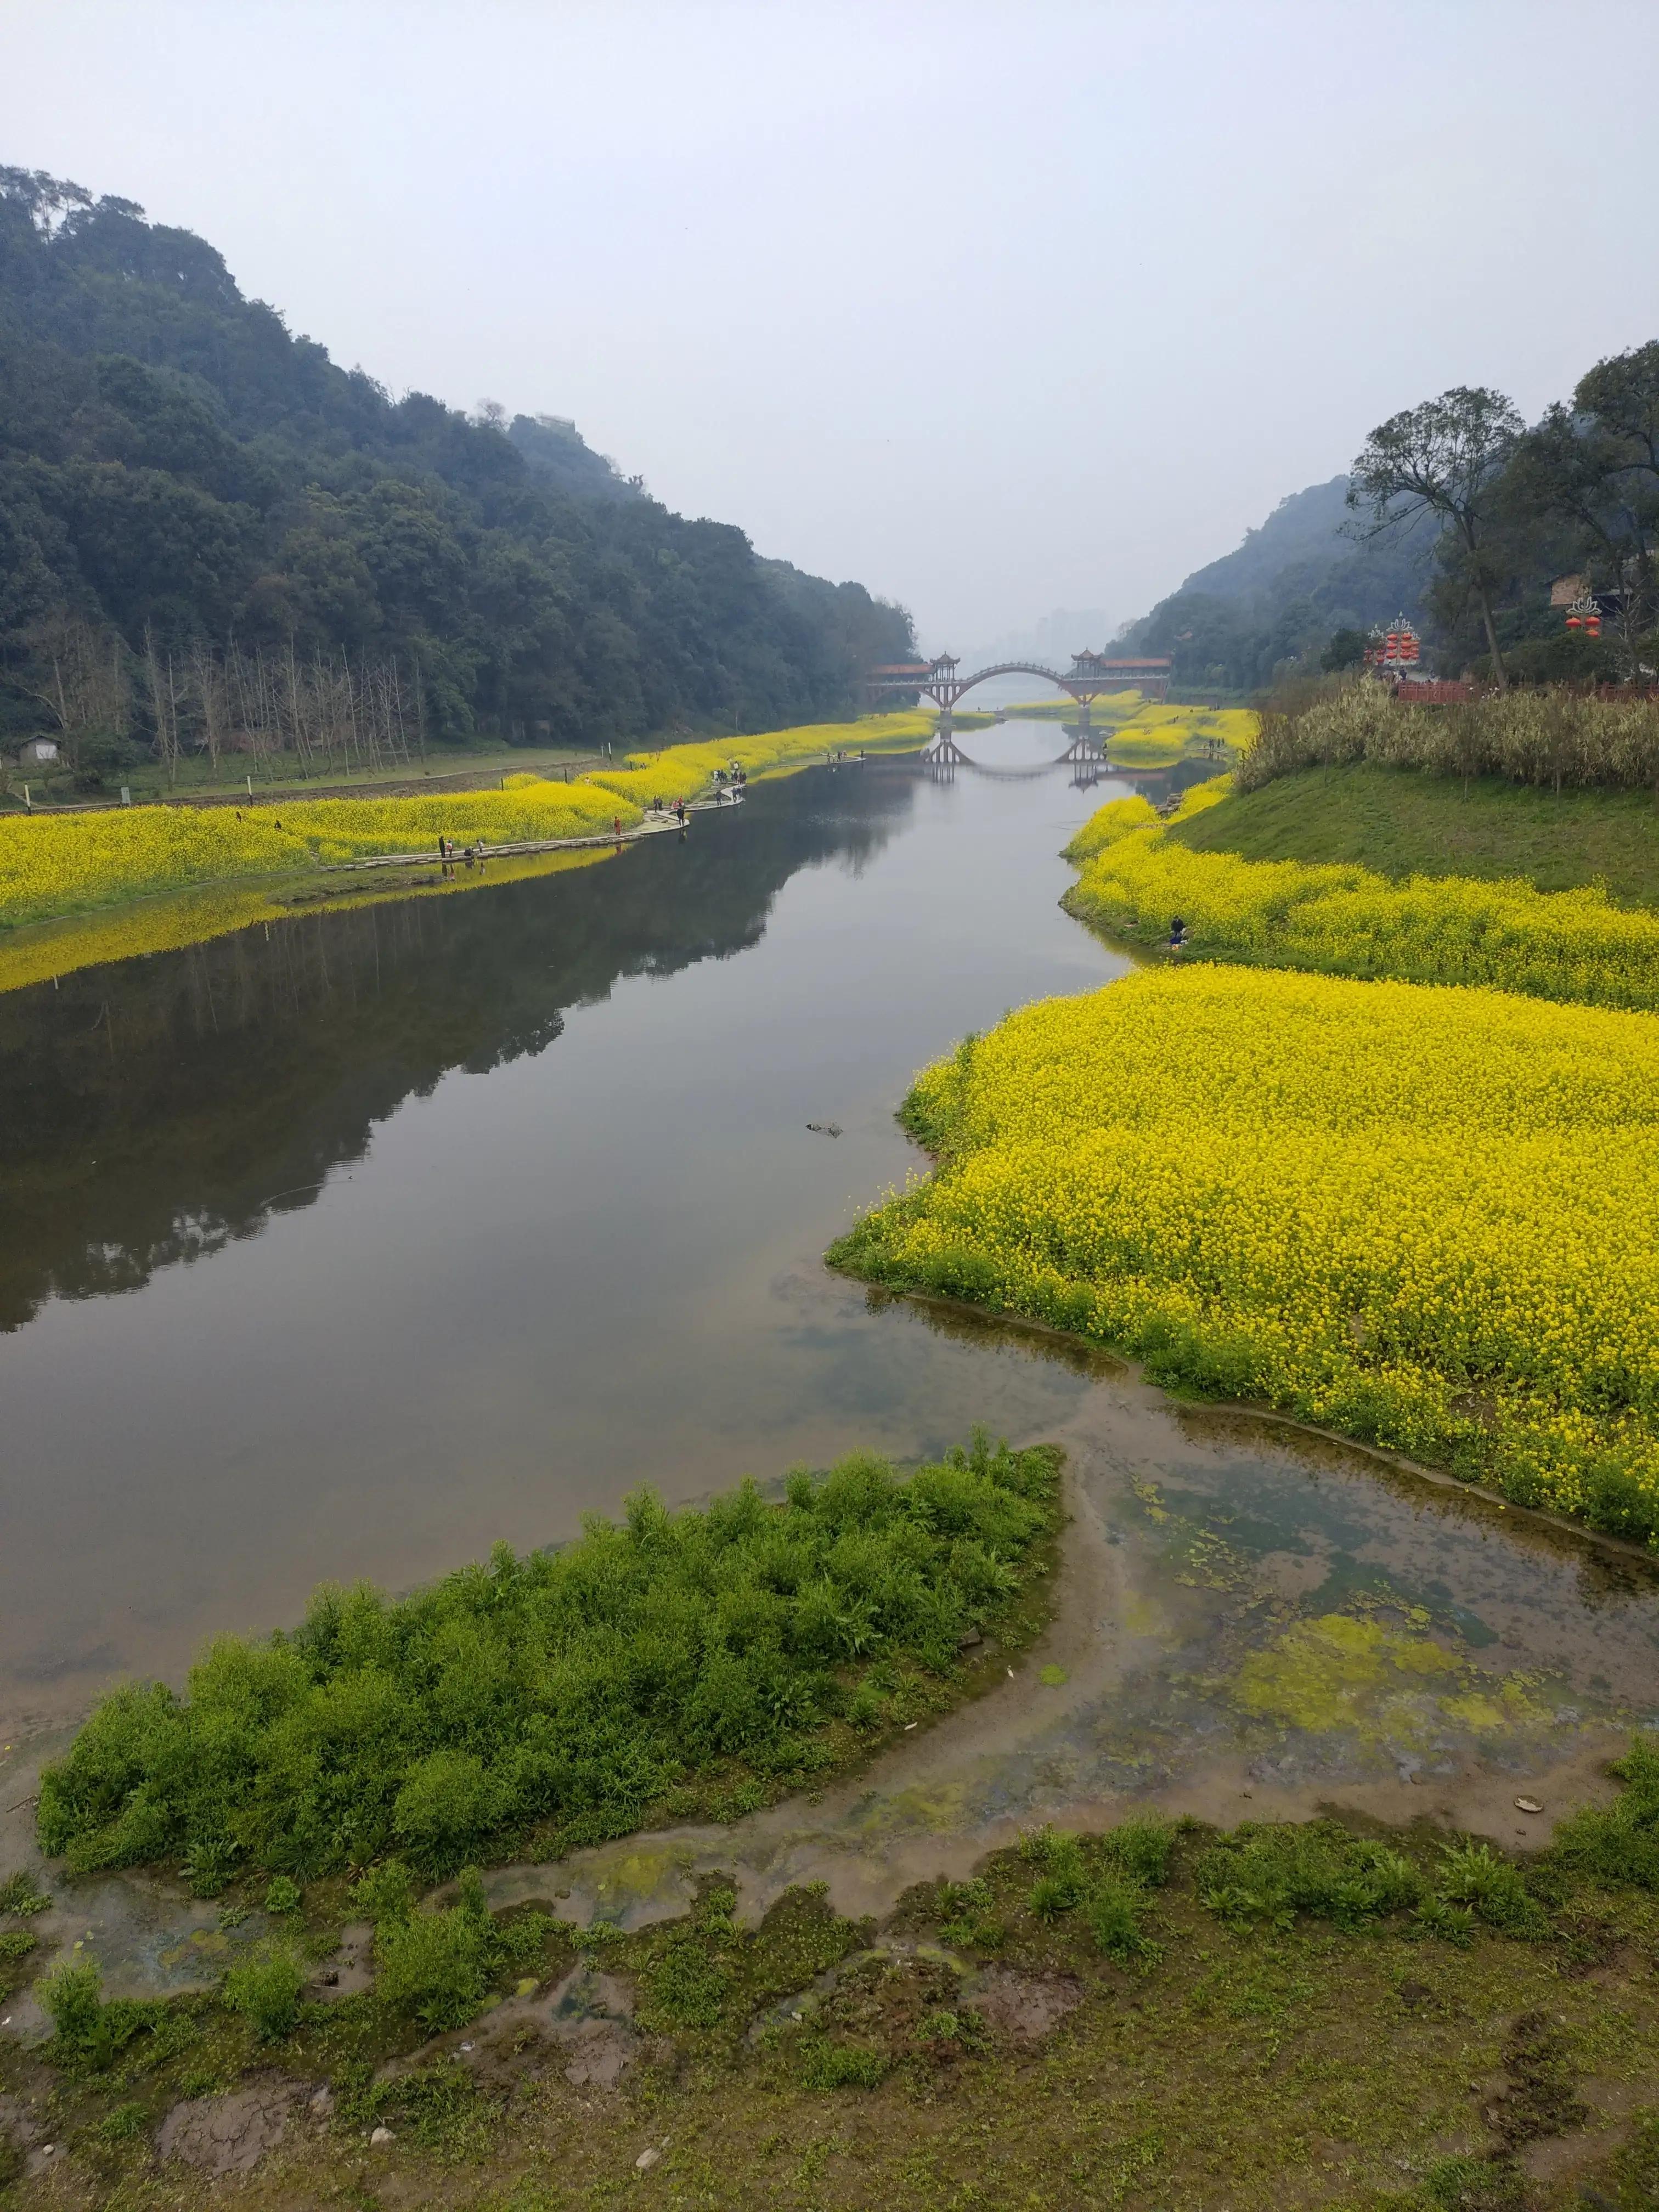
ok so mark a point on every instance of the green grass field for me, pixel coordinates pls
(1401, 822)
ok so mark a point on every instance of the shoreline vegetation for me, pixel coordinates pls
(1137, 870)
(1163, 2013)
(53, 867)
(674, 1668)
(168, 921)
(1148, 734)
(1373, 1198)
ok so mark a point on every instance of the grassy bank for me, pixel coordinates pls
(1395, 822)
(1159, 2017)
(1552, 739)
(68, 864)
(1422, 1217)
(1137, 873)
(667, 1669)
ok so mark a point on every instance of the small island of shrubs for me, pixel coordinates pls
(673, 1666)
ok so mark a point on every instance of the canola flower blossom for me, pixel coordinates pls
(50, 949)
(58, 865)
(55, 864)
(1347, 920)
(1424, 1217)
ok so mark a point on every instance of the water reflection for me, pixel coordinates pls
(350, 1248)
(154, 1110)
(447, 1221)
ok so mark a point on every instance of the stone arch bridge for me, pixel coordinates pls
(1090, 675)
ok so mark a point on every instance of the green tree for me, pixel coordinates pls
(1593, 468)
(1346, 650)
(1443, 457)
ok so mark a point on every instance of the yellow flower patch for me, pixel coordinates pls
(1424, 1216)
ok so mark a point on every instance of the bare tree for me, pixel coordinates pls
(81, 679)
(1443, 456)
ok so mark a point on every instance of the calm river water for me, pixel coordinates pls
(347, 1248)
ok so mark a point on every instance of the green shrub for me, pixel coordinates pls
(20, 1893)
(16, 1943)
(72, 1996)
(827, 2065)
(572, 1688)
(209, 1863)
(1473, 1874)
(385, 1893)
(958, 2031)
(436, 1964)
(1053, 1895)
(265, 1989)
(449, 1802)
(867, 1708)
(283, 1895)
(1617, 1846)
(1266, 1876)
(1452, 1923)
(1115, 1910)
(522, 1941)
(122, 2124)
(1141, 1849)
(87, 2032)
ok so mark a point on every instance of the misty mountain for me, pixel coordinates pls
(1279, 595)
(1052, 640)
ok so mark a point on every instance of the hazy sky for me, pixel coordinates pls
(998, 308)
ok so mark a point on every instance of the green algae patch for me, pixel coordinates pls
(1363, 1675)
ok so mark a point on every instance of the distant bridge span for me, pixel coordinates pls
(1089, 676)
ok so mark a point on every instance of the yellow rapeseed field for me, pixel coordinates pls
(38, 953)
(1424, 1217)
(681, 771)
(1346, 919)
(66, 864)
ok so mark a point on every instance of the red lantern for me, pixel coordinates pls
(1593, 627)
(1574, 621)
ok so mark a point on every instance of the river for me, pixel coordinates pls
(349, 1246)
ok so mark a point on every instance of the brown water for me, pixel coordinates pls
(352, 1248)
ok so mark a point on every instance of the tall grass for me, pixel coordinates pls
(1553, 738)
(567, 1689)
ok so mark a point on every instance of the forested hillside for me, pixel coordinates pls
(211, 532)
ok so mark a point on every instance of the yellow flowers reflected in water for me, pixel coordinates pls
(164, 925)
(1424, 1216)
